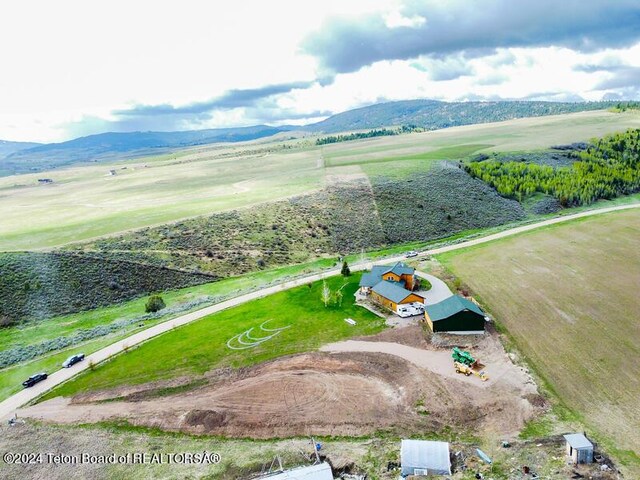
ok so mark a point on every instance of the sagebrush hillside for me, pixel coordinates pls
(42, 285)
(343, 218)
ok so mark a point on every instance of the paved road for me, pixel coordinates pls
(9, 406)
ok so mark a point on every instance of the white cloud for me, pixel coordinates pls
(68, 65)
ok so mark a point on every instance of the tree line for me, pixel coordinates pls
(609, 167)
(380, 132)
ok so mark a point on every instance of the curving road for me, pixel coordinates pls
(9, 406)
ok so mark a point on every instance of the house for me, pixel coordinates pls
(421, 457)
(579, 448)
(399, 273)
(321, 471)
(391, 285)
(455, 314)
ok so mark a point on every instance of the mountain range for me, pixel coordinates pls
(23, 157)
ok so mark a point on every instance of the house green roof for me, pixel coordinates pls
(399, 269)
(369, 279)
(391, 291)
(450, 306)
(375, 276)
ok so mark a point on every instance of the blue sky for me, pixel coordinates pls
(73, 68)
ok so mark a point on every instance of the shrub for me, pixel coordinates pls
(154, 304)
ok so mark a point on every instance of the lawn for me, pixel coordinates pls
(85, 202)
(34, 333)
(567, 297)
(202, 345)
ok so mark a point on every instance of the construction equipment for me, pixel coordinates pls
(469, 370)
(465, 357)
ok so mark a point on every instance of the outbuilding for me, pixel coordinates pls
(320, 471)
(579, 448)
(455, 314)
(422, 457)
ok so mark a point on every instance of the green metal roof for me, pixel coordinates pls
(400, 269)
(369, 279)
(450, 306)
(391, 290)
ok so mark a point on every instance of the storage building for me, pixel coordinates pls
(579, 448)
(455, 314)
(422, 457)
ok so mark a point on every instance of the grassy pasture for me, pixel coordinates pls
(202, 345)
(567, 296)
(33, 333)
(85, 202)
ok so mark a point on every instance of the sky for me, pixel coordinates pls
(71, 68)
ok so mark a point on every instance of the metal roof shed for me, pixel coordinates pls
(421, 457)
(321, 471)
(579, 448)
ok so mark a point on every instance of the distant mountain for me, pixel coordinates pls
(7, 148)
(429, 114)
(106, 146)
(432, 114)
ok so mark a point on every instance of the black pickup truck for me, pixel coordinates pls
(33, 379)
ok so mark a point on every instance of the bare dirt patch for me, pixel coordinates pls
(391, 386)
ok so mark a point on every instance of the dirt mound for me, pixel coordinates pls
(209, 419)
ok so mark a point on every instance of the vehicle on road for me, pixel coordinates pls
(72, 360)
(410, 254)
(33, 379)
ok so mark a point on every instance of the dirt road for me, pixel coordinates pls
(11, 404)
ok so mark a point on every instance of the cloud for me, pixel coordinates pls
(230, 100)
(445, 69)
(346, 44)
(620, 74)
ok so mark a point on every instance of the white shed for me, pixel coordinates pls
(421, 457)
(579, 448)
(321, 471)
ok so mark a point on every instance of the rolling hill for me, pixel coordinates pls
(428, 114)
(111, 145)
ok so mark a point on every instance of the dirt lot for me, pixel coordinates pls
(368, 386)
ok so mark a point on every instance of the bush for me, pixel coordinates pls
(154, 304)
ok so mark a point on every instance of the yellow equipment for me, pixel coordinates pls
(467, 370)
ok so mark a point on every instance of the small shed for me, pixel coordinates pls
(321, 471)
(455, 314)
(579, 448)
(422, 457)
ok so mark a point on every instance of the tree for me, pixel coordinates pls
(346, 271)
(154, 304)
(325, 294)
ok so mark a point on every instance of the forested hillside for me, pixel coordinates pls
(607, 168)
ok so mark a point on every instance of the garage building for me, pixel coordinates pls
(455, 314)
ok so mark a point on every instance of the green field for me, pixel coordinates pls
(34, 333)
(85, 202)
(201, 346)
(567, 297)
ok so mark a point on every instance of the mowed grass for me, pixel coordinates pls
(36, 332)
(85, 202)
(568, 297)
(202, 345)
